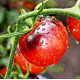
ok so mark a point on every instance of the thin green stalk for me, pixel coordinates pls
(66, 11)
(9, 69)
(15, 33)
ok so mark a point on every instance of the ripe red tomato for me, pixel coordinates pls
(23, 62)
(45, 44)
(3, 70)
(29, 5)
(74, 26)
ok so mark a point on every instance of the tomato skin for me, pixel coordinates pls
(45, 44)
(23, 62)
(74, 26)
(29, 5)
(3, 70)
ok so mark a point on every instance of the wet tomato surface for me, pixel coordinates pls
(74, 26)
(19, 58)
(45, 44)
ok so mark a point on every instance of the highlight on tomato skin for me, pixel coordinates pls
(3, 70)
(23, 62)
(45, 44)
(74, 26)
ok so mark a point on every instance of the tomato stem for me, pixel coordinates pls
(9, 69)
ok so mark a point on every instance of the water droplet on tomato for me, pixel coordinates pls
(43, 24)
(43, 29)
(38, 28)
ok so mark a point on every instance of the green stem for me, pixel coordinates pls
(51, 11)
(15, 33)
(77, 3)
(9, 69)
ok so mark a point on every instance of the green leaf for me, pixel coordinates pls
(8, 29)
(18, 68)
(2, 76)
(12, 16)
(2, 14)
(59, 69)
(48, 69)
(27, 74)
(77, 77)
(39, 5)
(50, 4)
(22, 11)
(27, 21)
(34, 17)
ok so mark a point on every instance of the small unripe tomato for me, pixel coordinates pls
(19, 58)
(74, 26)
(45, 44)
(3, 70)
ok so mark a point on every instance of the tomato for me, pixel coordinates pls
(74, 26)
(3, 70)
(45, 44)
(29, 5)
(23, 62)
(25, 4)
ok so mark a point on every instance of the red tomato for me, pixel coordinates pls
(23, 62)
(3, 70)
(45, 44)
(29, 5)
(74, 27)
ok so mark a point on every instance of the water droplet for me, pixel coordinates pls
(58, 35)
(43, 24)
(30, 37)
(68, 46)
(48, 23)
(38, 28)
(74, 29)
(47, 33)
(51, 41)
(43, 29)
(52, 29)
(47, 20)
(46, 43)
(37, 32)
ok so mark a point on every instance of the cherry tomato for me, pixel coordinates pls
(23, 62)
(29, 5)
(45, 44)
(3, 70)
(74, 26)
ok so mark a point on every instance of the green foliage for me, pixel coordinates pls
(59, 69)
(77, 77)
(12, 16)
(2, 13)
(18, 68)
(50, 4)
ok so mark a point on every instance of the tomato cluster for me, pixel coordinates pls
(45, 44)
